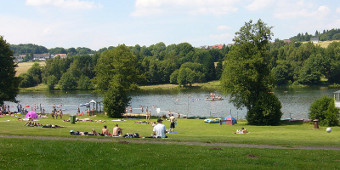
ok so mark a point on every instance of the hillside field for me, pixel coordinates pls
(23, 67)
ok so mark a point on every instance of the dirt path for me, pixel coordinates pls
(164, 141)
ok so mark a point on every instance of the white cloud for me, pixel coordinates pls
(221, 37)
(223, 27)
(337, 10)
(69, 4)
(192, 7)
(292, 10)
(259, 4)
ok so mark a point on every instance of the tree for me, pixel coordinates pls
(116, 100)
(84, 83)
(8, 82)
(51, 82)
(117, 75)
(67, 81)
(324, 110)
(246, 75)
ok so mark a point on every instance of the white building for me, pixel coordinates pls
(337, 99)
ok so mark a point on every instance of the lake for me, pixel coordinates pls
(295, 102)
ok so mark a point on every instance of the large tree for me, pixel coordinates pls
(116, 75)
(8, 82)
(247, 78)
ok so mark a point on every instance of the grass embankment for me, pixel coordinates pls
(66, 154)
(55, 154)
(188, 130)
(212, 85)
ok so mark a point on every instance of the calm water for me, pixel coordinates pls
(295, 102)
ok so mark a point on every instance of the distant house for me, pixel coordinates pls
(41, 57)
(287, 41)
(217, 46)
(315, 39)
(19, 58)
(337, 99)
(60, 55)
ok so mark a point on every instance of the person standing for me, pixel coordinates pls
(172, 123)
(159, 130)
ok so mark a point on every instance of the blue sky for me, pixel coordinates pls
(102, 23)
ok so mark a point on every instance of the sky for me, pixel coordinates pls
(102, 23)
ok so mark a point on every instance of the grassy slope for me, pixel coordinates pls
(23, 67)
(189, 130)
(42, 154)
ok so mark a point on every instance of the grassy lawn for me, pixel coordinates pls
(188, 130)
(59, 153)
(23, 67)
(56, 154)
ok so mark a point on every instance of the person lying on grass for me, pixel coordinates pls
(242, 131)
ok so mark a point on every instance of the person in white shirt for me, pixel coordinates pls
(159, 130)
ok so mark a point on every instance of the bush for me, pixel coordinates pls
(115, 101)
(51, 82)
(324, 110)
(266, 111)
(84, 83)
(67, 81)
(26, 80)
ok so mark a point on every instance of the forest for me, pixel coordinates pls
(292, 63)
(325, 35)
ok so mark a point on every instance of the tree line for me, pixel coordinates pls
(158, 64)
(182, 64)
(325, 35)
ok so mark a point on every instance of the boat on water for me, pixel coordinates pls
(213, 97)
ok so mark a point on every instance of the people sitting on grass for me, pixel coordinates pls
(95, 133)
(105, 131)
(159, 130)
(242, 131)
(117, 131)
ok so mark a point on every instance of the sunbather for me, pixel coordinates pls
(117, 131)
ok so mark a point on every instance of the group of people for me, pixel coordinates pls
(159, 131)
(35, 124)
(56, 112)
(116, 131)
(242, 131)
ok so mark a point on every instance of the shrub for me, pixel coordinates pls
(115, 101)
(266, 111)
(51, 82)
(324, 110)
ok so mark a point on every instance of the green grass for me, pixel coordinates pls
(56, 154)
(188, 130)
(39, 87)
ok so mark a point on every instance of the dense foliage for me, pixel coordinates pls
(8, 82)
(247, 77)
(28, 49)
(324, 109)
(117, 74)
(33, 76)
(326, 35)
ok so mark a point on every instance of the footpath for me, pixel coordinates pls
(165, 141)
